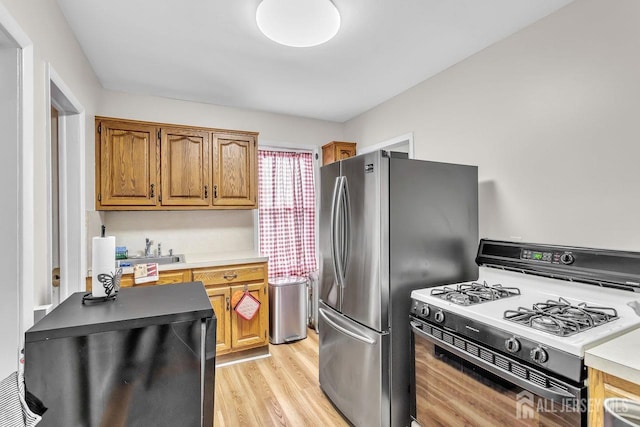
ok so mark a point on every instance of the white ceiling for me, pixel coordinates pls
(212, 51)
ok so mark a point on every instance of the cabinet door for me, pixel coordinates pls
(186, 176)
(127, 164)
(254, 332)
(604, 386)
(344, 151)
(235, 178)
(220, 298)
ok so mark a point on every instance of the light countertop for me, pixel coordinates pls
(209, 260)
(618, 357)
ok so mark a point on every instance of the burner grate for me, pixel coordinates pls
(474, 293)
(561, 317)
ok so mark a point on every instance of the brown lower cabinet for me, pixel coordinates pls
(164, 278)
(233, 333)
(603, 386)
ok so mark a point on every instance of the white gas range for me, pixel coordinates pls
(529, 317)
(539, 290)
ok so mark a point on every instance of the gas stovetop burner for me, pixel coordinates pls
(561, 317)
(474, 293)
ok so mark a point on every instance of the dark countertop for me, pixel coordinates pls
(133, 308)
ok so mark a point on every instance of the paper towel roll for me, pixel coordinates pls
(103, 261)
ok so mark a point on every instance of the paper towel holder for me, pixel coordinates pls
(111, 284)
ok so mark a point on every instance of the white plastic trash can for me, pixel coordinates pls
(287, 309)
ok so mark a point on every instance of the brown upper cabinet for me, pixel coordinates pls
(155, 166)
(126, 164)
(185, 161)
(235, 169)
(337, 150)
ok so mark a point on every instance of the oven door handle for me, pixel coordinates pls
(555, 395)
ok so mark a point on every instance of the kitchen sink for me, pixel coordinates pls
(168, 259)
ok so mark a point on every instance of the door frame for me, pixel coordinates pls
(390, 144)
(71, 188)
(25, 142)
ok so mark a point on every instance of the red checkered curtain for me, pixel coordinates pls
(287, 212)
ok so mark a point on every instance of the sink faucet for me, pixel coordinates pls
(147, 247)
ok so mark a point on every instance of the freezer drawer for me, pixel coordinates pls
(354, 368)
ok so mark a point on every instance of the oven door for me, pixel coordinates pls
(457, 382)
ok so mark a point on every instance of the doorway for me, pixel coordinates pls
(65, 190)
(54, 179)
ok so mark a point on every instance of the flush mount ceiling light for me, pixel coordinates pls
(298, 23)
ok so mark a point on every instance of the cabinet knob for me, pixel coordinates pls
(206, 191)
(153, 191)
(215, 191)
(230, 276)
(228, 304)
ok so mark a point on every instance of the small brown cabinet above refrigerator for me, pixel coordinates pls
(337, 150)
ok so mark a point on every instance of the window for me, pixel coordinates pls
(286, 195)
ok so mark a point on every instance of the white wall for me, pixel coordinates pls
(196, 231)
(53, 43)
(9, 261)
(550, 116)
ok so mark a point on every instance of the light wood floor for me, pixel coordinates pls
(281, 390)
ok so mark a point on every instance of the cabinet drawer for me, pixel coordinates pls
(126, 281)
(230, 274)
(169, 278)
(164, 278)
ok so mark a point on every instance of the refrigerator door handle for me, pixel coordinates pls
(334, 228)
(338, 231)
(345, 331)
(346, 215)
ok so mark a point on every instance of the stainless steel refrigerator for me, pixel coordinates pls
(388, 225)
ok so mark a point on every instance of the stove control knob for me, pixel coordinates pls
(425, 310)
(439, 316)
(512, 345)
(539, 355)
(567, 258)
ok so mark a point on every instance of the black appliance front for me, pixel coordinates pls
(147, 376)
